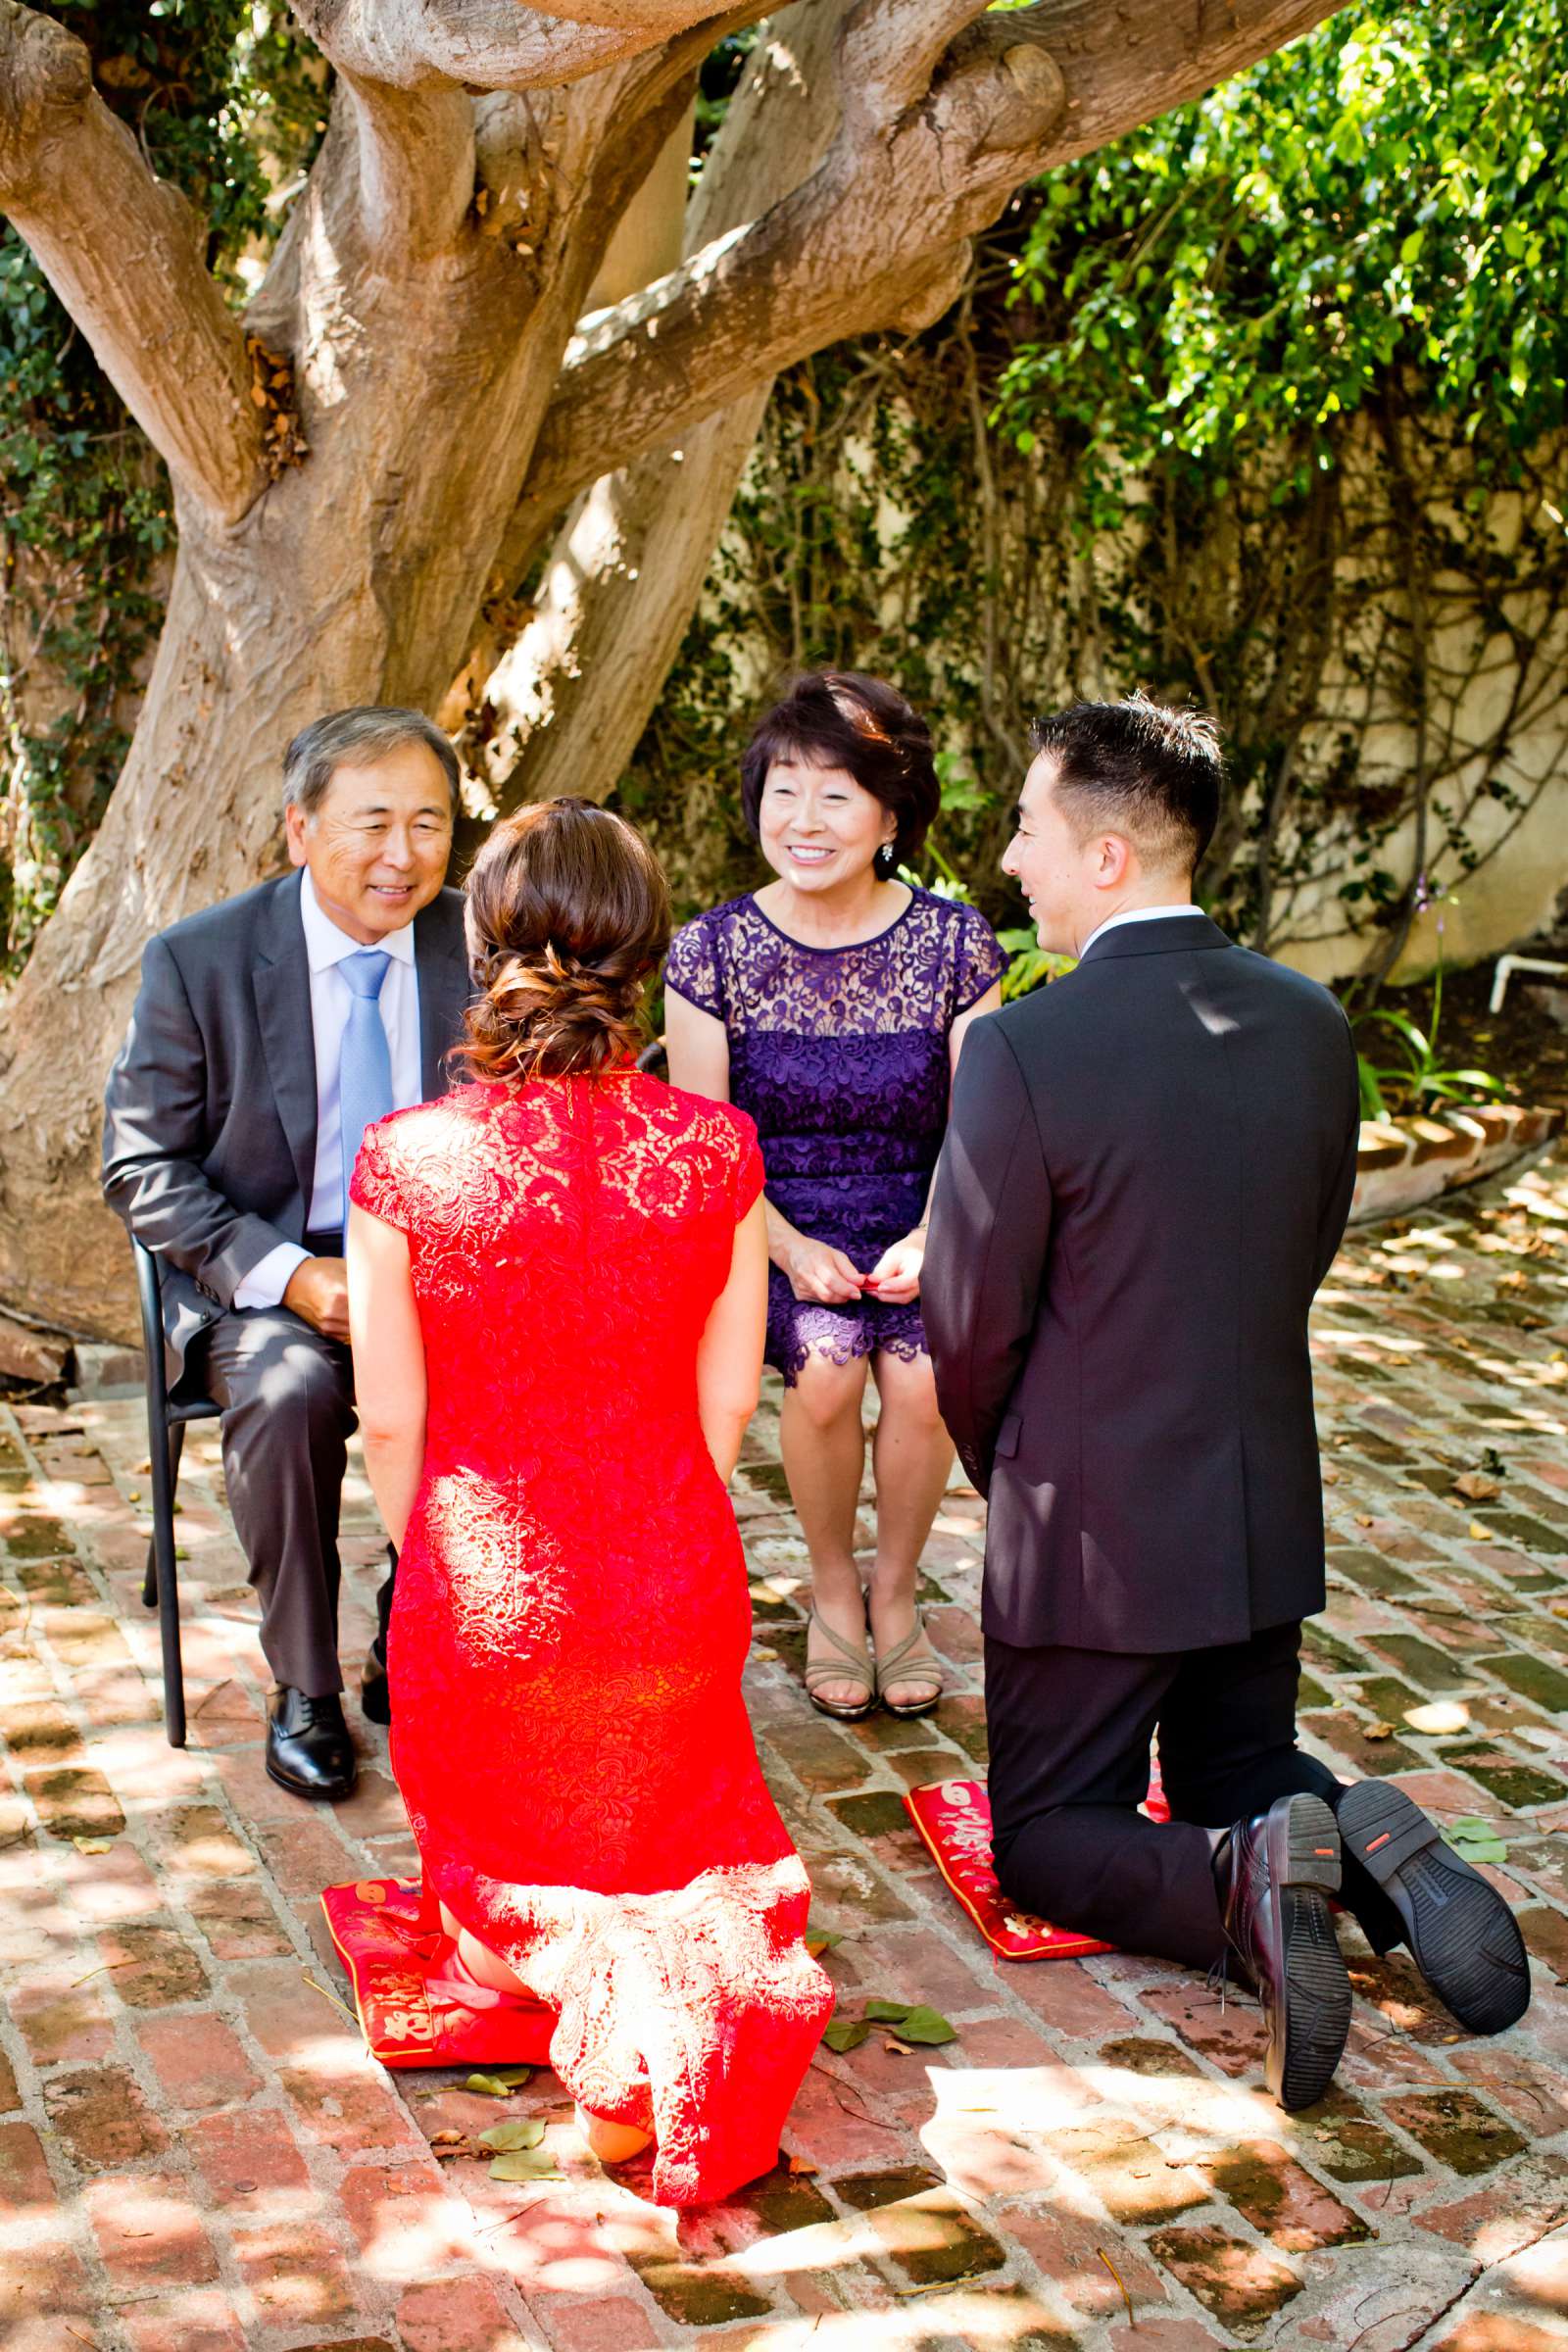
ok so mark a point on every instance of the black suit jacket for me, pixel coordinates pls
(210, 1111)
(1147, 1170)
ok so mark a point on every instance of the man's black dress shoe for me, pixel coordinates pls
(308, 1751)
(1275, 1875)
(1462, 1933)
(375, 1691)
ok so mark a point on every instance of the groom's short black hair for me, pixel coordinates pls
(1138, 768)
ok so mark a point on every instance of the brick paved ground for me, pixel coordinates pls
(195, 2155)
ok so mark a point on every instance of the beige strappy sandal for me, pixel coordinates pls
(856, 1667)
(926, 1667)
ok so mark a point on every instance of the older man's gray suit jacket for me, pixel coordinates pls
(1145, 1176)
(211, 1107)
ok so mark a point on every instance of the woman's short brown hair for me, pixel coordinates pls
(568, 913)
(841, 719)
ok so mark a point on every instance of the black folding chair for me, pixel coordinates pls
(165, 1439)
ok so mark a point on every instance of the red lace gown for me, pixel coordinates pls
(572, 1616)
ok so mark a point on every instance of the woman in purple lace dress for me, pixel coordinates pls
(830, 1005)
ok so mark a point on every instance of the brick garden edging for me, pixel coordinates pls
(1402, 1163)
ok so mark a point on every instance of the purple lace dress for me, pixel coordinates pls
(841, 1057)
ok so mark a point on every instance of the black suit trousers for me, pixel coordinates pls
(288, 1395)
(1070, 1732)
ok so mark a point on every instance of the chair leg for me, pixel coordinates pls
(164, 1581)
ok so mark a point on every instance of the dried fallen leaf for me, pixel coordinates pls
(899, 2050)
(802, 2167)
(447, 2139)
(93, 1845)
(1478, 1533)
(1379, 1730)
(1476, 1486)
(1363, 1518)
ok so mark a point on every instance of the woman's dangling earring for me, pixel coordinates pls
(883, 861)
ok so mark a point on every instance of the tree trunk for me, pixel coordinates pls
(414, 412)
(353, 578)
(565, 704)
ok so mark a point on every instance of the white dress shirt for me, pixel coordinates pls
(325, 948)
(1136, 915)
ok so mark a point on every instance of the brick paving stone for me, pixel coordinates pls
(249, 2160)
(1128, 2171)
(1500, 2332)
(614, 2324)
(1241, 2284)
(203, 2321)
(1506, 2216)
(152, 1964)
(295, 2274)
(1458, 2129)
(101, 2116)
(1283, 2202)
(148, 2230)
(1352, 2146)
(181, 2092)
(199, 2061)
(1096, 2272)
(457, 2315)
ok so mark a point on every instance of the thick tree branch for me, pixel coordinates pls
(416, 167)
(123, 251)
(876, 224)
(488, 44)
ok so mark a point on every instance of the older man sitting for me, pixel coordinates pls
(269, 1031)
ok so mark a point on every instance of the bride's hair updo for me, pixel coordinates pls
(568, 914)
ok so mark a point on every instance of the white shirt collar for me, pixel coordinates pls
(1130, 915)
(325, 944)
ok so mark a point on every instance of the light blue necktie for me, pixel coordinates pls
(364, 1067)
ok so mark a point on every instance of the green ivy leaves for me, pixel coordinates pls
(1381, 195)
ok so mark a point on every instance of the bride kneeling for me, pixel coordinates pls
(558, 1278)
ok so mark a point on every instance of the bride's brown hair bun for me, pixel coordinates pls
(568, 914)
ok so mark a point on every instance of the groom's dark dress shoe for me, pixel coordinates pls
(1275, 1874)
(375, 1691)
(308, 1751)
(1462, 1933)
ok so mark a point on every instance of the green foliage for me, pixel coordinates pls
(1384, 196)
(1261, 406)
(226, 101)
(1416, 1079)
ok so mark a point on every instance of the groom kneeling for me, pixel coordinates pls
(1148, 1171)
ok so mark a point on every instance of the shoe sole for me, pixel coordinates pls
(837, 1714)
(1307, 2042)
(313, 1797)
(1462, 1933)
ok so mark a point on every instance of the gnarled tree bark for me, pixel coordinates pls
(429, 408)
